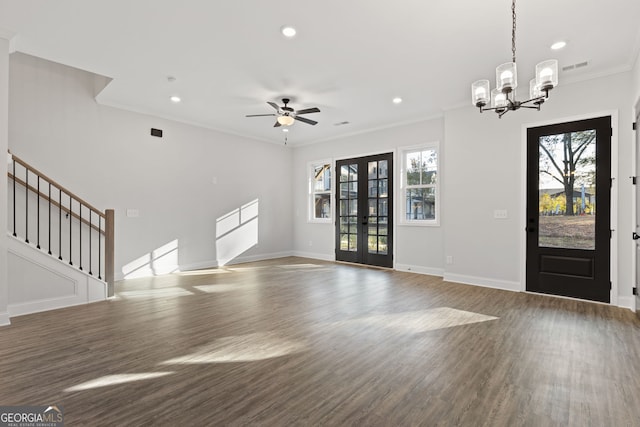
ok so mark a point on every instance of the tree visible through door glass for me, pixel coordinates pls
(566, 189)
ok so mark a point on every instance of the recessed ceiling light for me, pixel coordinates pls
(175, 99)
(558, 45)
(288, 31)
(285, 130)
(397, 100)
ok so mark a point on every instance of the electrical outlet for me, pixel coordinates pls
(449, 259)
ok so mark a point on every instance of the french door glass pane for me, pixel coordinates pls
(373, 188)
(566, 189)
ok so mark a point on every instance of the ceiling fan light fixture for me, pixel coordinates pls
(285, 120)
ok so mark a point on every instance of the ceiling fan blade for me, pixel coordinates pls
(277, 125)
(305, 120)
(274, 105)
(308, 110)
(259, 115)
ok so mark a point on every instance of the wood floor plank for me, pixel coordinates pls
(295, 341)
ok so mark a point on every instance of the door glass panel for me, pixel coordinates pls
(353, 242)
(373, 170)
(344, 242)
(372, 207)
(373, 188)
(353, 207)
(344, 225)
(382, 244)
(344, 173)
(344, 190)
(566, 189)
(382, 207)
(373, 244)
(383, 169)
(353, 172)
(382, 187)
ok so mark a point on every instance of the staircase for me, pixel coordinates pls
(62, 248)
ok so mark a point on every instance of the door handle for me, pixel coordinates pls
(635, 236)
(530, 229)
(364, 220)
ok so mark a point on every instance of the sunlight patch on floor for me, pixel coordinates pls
(214, 289)
(109, 380)
(154, 293)
(242, 348)
(241, 269)
(301, 266)
(418, 321)
(202, 272)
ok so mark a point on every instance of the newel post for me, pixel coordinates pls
(109, 250)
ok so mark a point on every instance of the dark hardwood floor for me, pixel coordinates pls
(303, 342)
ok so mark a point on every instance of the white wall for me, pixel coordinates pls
(4, 102)
(39, 282)
(484, 169)
(636, 80)
(107, 157)
(418, 248)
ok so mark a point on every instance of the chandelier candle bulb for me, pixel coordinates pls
(534, 90)
(506, 77)
(547, 74)
(498, 99)
(480, 93)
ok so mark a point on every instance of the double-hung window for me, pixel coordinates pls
(320, 191)
(420, 189)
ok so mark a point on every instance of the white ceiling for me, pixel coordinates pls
(350, 57)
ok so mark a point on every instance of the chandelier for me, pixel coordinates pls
(503, 97)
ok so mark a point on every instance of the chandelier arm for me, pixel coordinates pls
(538, 98)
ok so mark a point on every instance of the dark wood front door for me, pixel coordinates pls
(364, 226)
(568, 209)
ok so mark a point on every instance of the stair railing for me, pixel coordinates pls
(55, 220)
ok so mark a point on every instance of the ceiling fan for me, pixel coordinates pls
(287, 115)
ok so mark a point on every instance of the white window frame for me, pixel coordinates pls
(312, 193)
(403, 185)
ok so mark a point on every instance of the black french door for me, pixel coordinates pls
(364, 210)
(568, 209)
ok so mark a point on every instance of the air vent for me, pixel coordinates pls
(575, 66)
(341, 123)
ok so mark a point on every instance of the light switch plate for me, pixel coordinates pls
(500, 214)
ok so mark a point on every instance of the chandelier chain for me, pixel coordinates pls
(513, 30)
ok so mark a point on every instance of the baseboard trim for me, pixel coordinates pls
(259, 257)
(312, 255)
(504, 285)
(5, 319)
(43, 305)
(199, 266)
(627, 302)
(431, 271)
